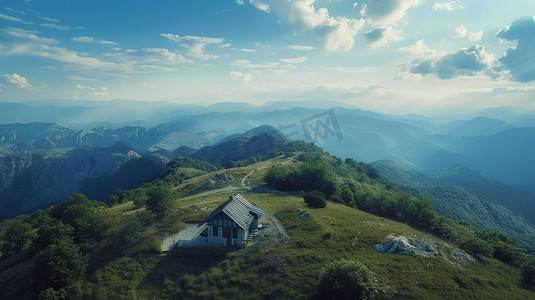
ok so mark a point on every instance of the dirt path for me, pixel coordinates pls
(245, 178)
(229, 188)
(277, 222)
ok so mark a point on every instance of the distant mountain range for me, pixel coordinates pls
(34, 179)
(500, 149)
(31, 180)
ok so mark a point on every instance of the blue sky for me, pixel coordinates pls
(388, 55)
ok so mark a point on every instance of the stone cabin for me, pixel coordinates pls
(232, 223)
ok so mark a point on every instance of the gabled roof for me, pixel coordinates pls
(252, 207)
(239, 210)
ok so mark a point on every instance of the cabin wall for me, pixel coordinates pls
(220, 241)
(254, 224)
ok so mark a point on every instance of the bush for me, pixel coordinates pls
(159, 200)
(315, 199)
(63, 263)
(52, 294)
(477, 247)
(345, 279)
(17, 236)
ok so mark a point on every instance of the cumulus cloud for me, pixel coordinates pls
(337, 33)
(466, 62)
(296, 60)
(380, 36)
(301, 47)
(386, 12)
(87, 39)
(419, 48)
(445, 6)
(341, 35)
(157, 54)
(245, 77)
(520, 60)
(10, 18)
(18, 81)
(461, 32)
(99, 92)
(196, 44)
(239, 2)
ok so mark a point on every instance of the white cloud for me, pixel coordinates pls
(337, 33)
(444, 6)
(86, 39)
(198, 39)
(475, 36)
(301, 47)
(466, 62)
(380, 36)
(341, 35)
(19, 42)
(16, 34)
(244, 50)
(520, 60)
(239, 2)
(10, 18)
(196, 44)
(296, 60)
(79, 78)
(246, 77)
(18, 81)
(99, 92)
(56, 26)
(461, 32)
(50, 19)
(386, 12)
(269, 66)
(240, 62)
(168, 56)
(149, 59)
(419, 48)
(260, 5)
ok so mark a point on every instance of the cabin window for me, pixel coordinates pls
(235, 233)
(216, 231)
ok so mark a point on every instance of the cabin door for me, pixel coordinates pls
(227, 232)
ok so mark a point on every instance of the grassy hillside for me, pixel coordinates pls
(464, 194)
(289, 269)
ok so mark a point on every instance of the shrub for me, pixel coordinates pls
(17, 236)
(345, 279)
(315, 199)
(52, 294)
(159, 200)
(62, 262)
